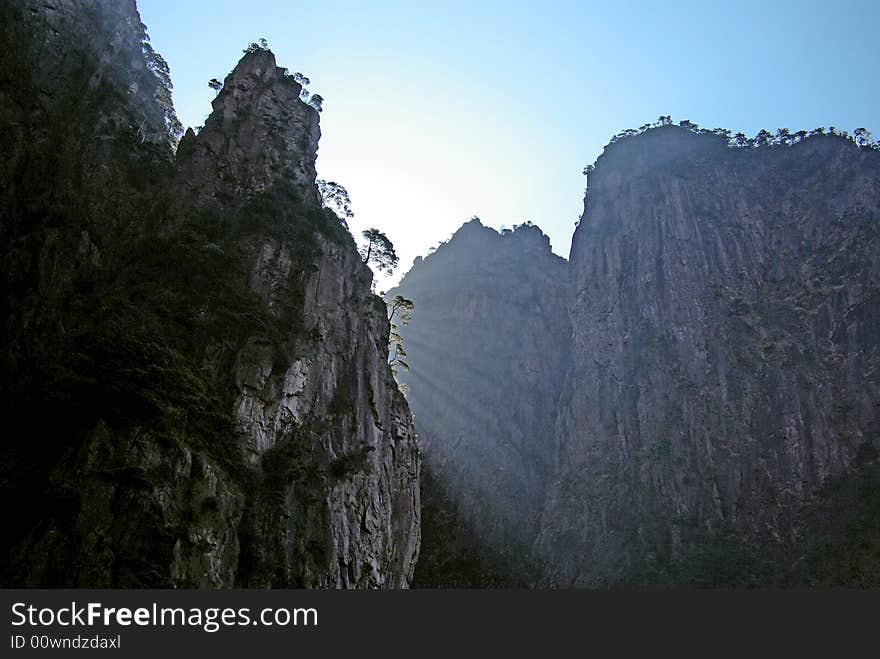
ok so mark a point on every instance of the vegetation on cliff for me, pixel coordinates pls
(138, 298)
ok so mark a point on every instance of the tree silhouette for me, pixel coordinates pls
(254, 47)
(862, 137)
(763, 137)
(400, 310)
(303, 82)
(379, 251)
(783, 135)
(335, 197)
(159, 67)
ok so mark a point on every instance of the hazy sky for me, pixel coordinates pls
(435, 112)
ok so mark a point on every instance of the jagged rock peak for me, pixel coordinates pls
(474, 229)
(259, 134)
(475, 246)
(485, 381)
(473, 235)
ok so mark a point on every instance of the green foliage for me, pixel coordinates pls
(290, 494)
(764, 138)
(303, 82)
(256, 47)
(379, 251)
(130, 309)
(335, 197)
(862, 137)
(314, 100)
(399, 310)
(346, 466)
(451, 555)
(159, 67)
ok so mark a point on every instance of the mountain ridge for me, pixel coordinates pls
(710, 288)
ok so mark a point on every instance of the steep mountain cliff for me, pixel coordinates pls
(725, 352)
(487, 345)
(195, 386)
(691, 399)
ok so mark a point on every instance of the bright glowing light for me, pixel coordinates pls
(438, 111)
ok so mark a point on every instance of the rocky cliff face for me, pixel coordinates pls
(693, 397)
(195, 370)
(725, 350)
(488, 347)
(259, 132)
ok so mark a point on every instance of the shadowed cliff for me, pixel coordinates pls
(488, 347)
(195, 371)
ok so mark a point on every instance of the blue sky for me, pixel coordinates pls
(438, 111)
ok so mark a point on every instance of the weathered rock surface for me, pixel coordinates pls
(691, 395)
(195, 382)
(259, 131)
(725, 350)
(487, 346)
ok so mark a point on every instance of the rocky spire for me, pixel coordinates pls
(259, 134)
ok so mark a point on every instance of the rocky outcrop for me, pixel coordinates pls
(487, 342)
(725, 350)
(192, 346)
(259, 132)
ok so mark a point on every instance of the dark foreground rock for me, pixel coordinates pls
(195, 382)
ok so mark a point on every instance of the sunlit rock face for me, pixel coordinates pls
(488, 348)
(195, 384)
(725, 352)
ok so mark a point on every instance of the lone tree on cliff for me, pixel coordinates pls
(400, 309)
(379, 251)
(317, 102)
(335, 197)
(303, 82)
(862, 137)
